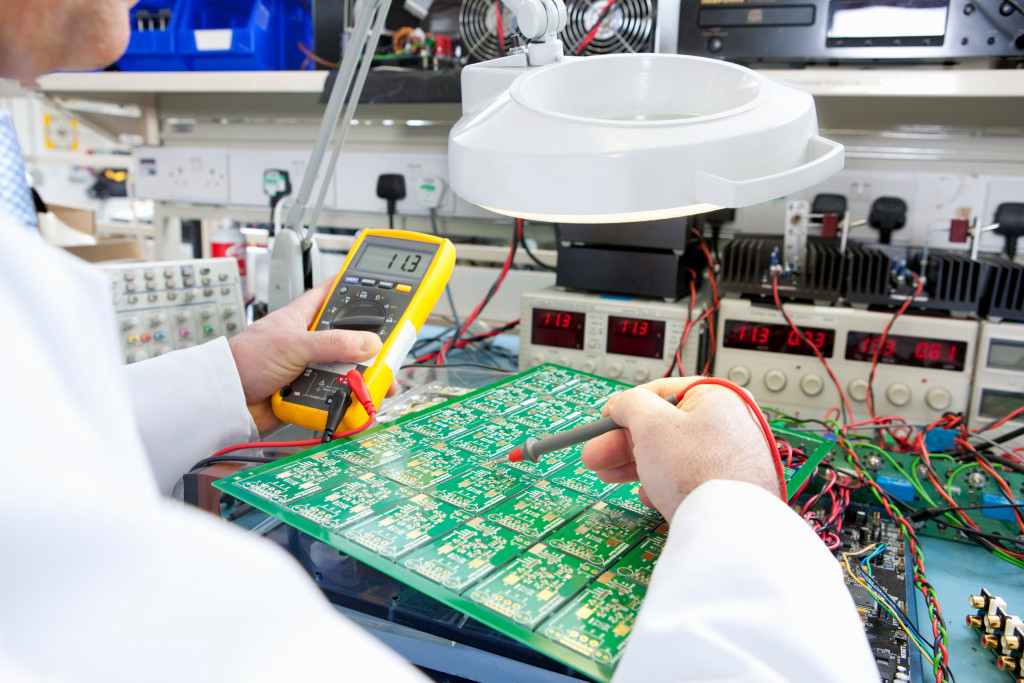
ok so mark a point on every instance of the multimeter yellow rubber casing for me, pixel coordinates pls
(388, 285)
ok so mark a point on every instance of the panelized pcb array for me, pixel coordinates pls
(598, 621)
(467, 554)
(540, 509)
(407, 526)
(601, 534)
(533, 585)
(639, 563)
(545, 552)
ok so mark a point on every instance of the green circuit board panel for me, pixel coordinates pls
(597, 622)
(545, 553)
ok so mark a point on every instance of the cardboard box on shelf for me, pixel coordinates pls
(105, 249)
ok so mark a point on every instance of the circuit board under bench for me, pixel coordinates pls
(545, 553)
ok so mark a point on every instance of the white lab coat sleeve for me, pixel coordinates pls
(188, 405)
(745, 592)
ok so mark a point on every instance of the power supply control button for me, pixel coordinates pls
(898, 394)
(938, 398)
(614, 370)
(641, 374)
(775, 380)
(812, 384)
(739, 374)
(589, 365)
(858, 389)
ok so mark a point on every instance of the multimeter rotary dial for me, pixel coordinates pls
(361, 316)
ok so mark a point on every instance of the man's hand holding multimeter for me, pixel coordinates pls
(388, 285)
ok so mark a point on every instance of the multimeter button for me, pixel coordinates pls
(342, 290)
(368, 282)
(812, 384)
(898, 394)
(403, 288)
(363, 316)
(775, 380)
(350, 280)
(938, 398)
(384, 284)
(739, 374)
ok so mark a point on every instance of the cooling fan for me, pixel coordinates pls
(600, 27)
(486, 28)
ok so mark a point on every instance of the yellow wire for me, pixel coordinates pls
(860, 582)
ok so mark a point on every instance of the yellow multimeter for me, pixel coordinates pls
(388, 284)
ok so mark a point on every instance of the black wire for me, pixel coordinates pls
(925, 514)
(235, 458)
(533, 257)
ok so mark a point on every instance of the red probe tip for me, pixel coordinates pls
(516, 455)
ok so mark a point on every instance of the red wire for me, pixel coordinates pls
(593, 32)
(500, 25)
(497, 285)
(290, 444)
(1002, 421)
(839, 388)
(885, 333)
(758, 415)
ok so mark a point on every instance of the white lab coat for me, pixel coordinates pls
(102, 578)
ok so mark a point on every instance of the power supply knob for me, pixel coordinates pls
(615, 369)
(641, 374)
(812, 384)
(589, 365)
(129, 322)
(858, 389)
(181, 317)
(775, 380)
(228, 311)
(739, 374)
(938, 398)
(206, 313)
(898, 394)
(161, 350)
(136, 356)
(536, 359)
(157, 319)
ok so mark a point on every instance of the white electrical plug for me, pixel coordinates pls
(431, 191)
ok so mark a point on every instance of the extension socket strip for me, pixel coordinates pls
(924, 370)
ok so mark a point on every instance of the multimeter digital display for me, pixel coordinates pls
(388, 285)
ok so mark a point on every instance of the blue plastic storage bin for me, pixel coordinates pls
(153, 45)
(244, 35)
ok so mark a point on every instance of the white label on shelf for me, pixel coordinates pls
(213, 39)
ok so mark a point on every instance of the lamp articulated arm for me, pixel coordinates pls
(540, 22)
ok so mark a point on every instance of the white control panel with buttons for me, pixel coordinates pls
(167, 305)
(925, 364)
(628, 339)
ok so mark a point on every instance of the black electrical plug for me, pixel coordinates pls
(391, 186)
(339, 402)
(1010, 217)
(828, 203)
(887, 214)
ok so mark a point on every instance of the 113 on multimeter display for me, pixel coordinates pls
(388, 285)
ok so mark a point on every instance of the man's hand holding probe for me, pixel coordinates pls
(672, 450)
(276, 349)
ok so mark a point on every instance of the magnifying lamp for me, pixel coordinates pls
(601, 139)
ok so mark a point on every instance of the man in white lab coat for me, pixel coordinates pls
(102, 577)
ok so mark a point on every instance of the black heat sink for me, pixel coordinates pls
(953, 282)
(746, 264)
(1005, 297)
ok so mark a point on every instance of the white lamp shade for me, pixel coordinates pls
(633, 137)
